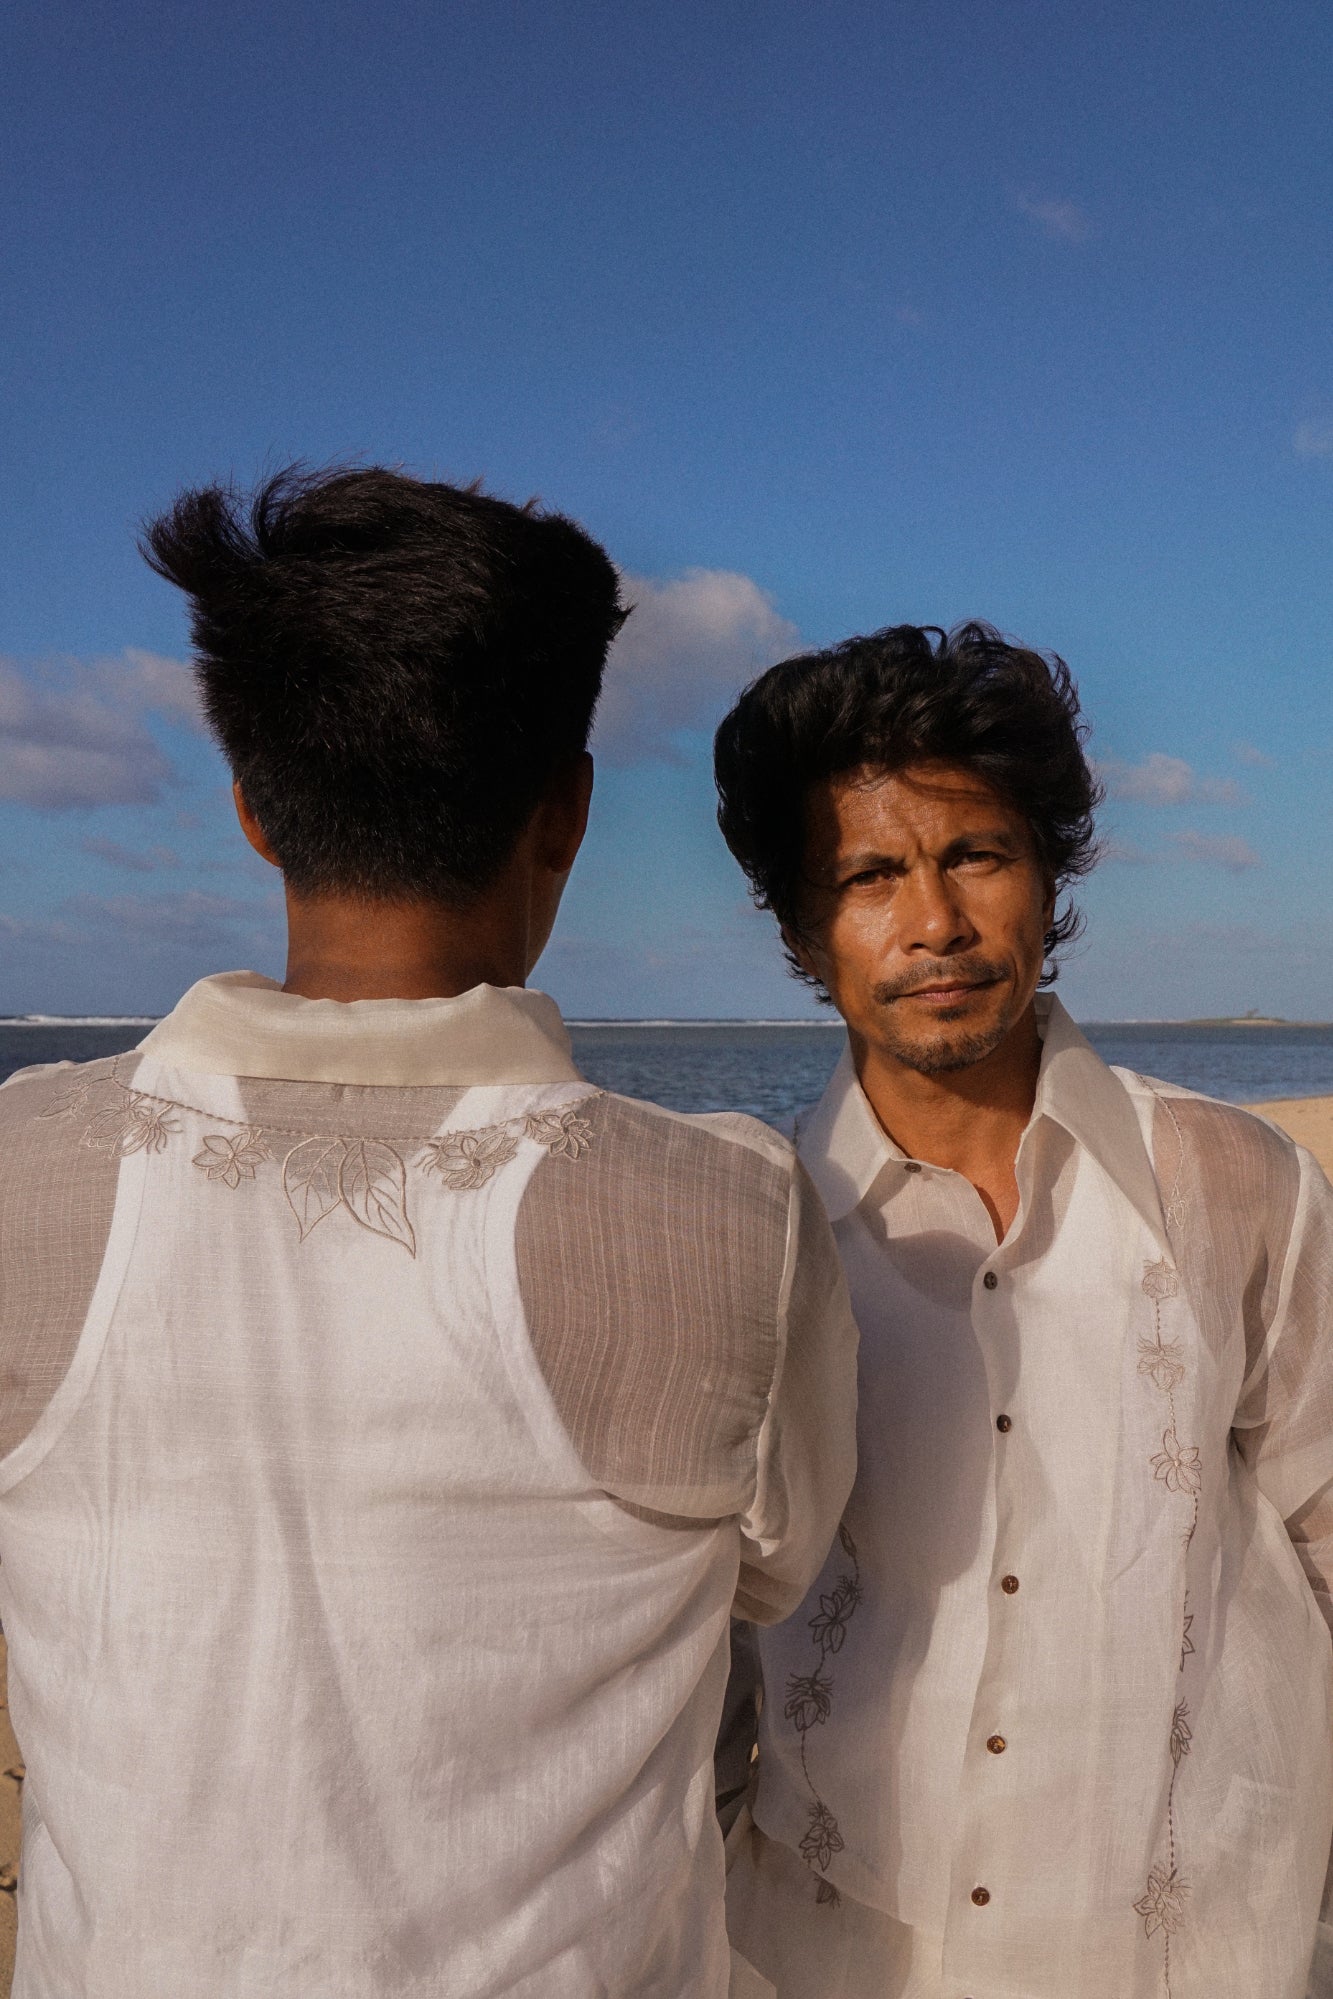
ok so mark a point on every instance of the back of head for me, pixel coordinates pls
(905, 696)
(395, 668)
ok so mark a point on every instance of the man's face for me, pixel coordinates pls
(923, 913)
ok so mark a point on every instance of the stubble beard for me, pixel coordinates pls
(940, 1052)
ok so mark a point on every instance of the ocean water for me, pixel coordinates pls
(771, 1070)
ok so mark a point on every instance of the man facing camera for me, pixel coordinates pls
(391, 1419)
(1054, 1722)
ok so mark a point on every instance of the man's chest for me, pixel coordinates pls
(1055, 1387)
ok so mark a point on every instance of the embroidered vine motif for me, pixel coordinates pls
(809, 1704)
(1179, 1468)
(323, 1173)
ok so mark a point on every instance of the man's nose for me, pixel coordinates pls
(931, 916)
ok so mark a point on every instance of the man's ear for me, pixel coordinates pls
(252, 829)
(565, 814)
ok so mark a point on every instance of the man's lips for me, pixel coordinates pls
(942, 994)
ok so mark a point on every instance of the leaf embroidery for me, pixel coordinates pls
(372, 1180)
(366, 1176)
(310, 1181)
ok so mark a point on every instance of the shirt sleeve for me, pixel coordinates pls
(806, 1456)
(1284, 1416)
(1284, 1430)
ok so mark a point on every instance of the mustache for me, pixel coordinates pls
(945, 972)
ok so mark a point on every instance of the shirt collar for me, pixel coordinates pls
(240, 1024)
(844, 1148)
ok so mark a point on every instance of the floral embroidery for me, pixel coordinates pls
(809, 1700)
(365, 1178)
(1160, 1360)
(1160, 1280)
(809, 1704)
(467, 1159)
(565, 1134)
(1179, 1468)
(1177, 1465)
(821, 1840)
(232, 1160)
(1186, 1642)
(828, 1626)
(136, 1123)
(1164, 1903)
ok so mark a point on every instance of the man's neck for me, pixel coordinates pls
(341, 949)
(968, 1120)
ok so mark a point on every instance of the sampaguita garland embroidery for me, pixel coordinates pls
(366, 1177)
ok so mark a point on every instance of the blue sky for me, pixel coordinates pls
(821, 317)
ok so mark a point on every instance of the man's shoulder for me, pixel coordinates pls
(711, 1138)
(57, 1091)
(1229, 1141)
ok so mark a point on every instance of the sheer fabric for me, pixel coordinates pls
(337, 1669)
(1060, 1701)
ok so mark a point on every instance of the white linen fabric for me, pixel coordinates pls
(339, 1666)
(1055, 1720)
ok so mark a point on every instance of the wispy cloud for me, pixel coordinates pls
(1216, 850)
(74, 734)
(1257, 759)
(131, 860)
(1060, 219)
(1164, 780)
(690, 645)
(1314, 439)
(1125, 853)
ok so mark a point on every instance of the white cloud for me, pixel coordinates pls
(1314, 439)
(74, 734)
(1216, 850)
(1163, 780)
(682, 658)
(1063, 220)
(1248, 753)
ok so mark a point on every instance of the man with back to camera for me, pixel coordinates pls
(392, 1419)
(1054, 1722)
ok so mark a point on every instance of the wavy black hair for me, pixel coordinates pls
(908, 695)
(395, 668)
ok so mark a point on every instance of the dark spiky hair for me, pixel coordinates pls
(395, 668)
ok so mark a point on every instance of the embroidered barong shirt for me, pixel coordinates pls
(390, 1422)
(1060, 1701)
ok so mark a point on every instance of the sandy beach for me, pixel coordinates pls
(1309, 1120)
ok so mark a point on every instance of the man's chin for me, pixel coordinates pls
(948, 1048)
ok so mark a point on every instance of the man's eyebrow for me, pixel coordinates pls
(985, 836)
(860, 858)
